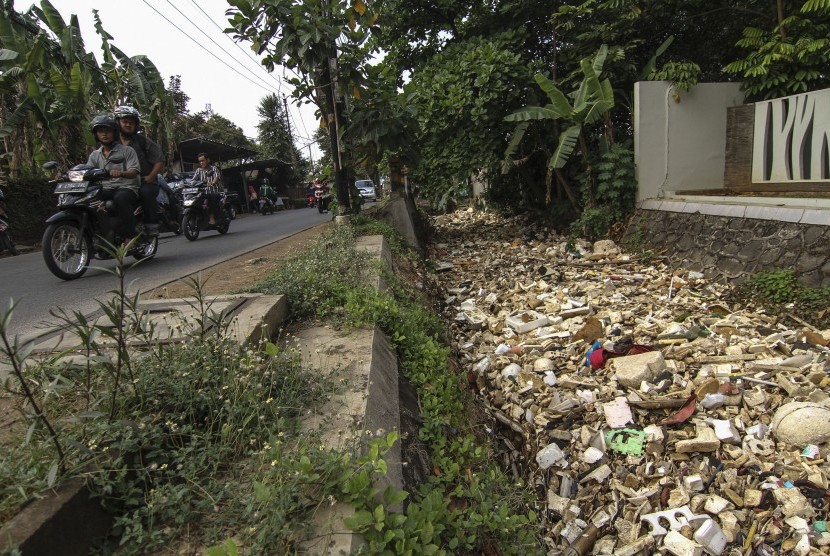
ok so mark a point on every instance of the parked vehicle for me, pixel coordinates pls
(6, 243)
(196, 217)
(76, 234)
(367, 189)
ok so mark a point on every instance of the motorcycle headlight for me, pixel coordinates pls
(76, 175)
(188, 202)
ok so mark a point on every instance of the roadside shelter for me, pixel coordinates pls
(278, 172)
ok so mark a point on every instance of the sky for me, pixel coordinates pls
(213, 69)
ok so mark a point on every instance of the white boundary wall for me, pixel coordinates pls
(680, 146)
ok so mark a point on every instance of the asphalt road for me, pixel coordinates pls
(26, 280)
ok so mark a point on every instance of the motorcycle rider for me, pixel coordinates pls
(121, 161)
(265, 190)
(212, 177)
(151, 159)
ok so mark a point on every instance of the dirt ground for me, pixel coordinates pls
(242, 271)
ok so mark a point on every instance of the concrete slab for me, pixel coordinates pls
(366, 403)
(64, 523)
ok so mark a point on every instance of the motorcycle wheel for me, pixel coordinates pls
(148, 250)
(191, 226)
(232, 213)
(7, 244)
(66, 250)
(320, 207)
(225, 226)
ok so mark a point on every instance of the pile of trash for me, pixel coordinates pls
(651, 416)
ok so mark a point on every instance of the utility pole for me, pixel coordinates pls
(311, 159)
(290, 135)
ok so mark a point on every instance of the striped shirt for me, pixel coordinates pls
(207, 175)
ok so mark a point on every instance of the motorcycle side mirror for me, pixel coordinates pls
(51, 165)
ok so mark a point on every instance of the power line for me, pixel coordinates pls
(248, 54)
(217, 44)
(279, 81)
(206, 50)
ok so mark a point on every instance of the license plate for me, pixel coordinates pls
(71, 187)
(190, 190)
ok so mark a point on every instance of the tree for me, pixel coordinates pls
(307, 36)
(274, 136)
(48, 85)
(216, 127)
(791, 58)
(592, 102)
(460, 99)
(275, 140)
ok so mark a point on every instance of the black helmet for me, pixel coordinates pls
(102, 120)
(126, 111)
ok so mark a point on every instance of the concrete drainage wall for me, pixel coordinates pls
(731, 248)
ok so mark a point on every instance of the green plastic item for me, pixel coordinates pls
(820, 526)
(630, 442)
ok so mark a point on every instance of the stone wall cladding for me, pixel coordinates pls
(729, 249)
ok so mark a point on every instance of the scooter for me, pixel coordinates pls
(196, 217)
(77, 233)
(265, 205)
(322, 198)
(6, 243)
(170, 210)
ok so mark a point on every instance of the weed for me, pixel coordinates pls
(780, 291)
(316, 281)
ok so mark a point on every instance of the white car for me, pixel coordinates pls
(367, 189)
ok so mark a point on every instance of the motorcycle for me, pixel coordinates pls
(233, 201)
(76, 234)
(310, 200)
(6, 243)
(196, 217)
(322, 198)
(170, 210)
(265, 205)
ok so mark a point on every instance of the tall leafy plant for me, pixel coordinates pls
(589, 104)
(789, 59)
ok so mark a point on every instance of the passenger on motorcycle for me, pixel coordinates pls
(210, 174)
(123, 166)
(151, 160)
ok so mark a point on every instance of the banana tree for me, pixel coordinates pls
(590, 103)
(47, 85)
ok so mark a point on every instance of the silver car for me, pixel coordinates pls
(367, 189)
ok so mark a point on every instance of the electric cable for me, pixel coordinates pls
(202, 31)
(206, 50)
(248, 54)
